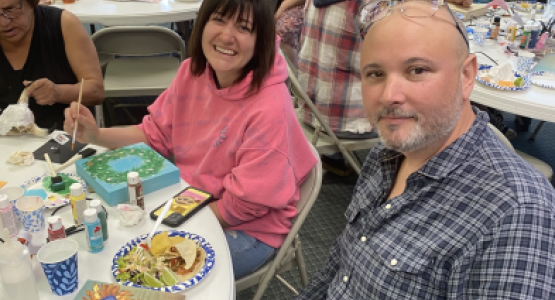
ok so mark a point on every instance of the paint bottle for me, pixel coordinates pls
(94, 231)
(511, 32)
(534, 35)
(525, 38)
(56, 229)
(96, 205)
(496, 25)
(7, 216)
(78, 202)
(135, 188)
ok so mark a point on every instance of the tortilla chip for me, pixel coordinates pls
(160, 243)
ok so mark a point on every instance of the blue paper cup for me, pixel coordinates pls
(31, 213)
(13, 193)
(59, 263)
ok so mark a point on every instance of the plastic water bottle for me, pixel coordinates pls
(16, 272)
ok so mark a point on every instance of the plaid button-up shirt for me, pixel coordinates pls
(329, 65)
(475, 222)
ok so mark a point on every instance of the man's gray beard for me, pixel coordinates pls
(436, 126)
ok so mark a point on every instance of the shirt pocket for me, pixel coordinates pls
(404, 258)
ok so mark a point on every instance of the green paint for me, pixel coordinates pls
(68, 181)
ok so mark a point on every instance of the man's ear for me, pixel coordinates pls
(469, 70)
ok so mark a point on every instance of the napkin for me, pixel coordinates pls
(503, 72)
(129, 215)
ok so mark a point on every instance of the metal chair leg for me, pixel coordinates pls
(533, 136)
(300, 263)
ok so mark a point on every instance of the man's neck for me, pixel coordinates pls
(415, 160)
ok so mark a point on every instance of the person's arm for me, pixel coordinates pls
(516, 260)
(317, 288)
(88, 131)
(286, 4)
(463, 3)
(83, 60)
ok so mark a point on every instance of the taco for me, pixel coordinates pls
(191, 260)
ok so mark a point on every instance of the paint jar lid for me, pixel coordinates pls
(76, 189)
(133, 178)
(90, 215)
(4, 202)
(55, 223)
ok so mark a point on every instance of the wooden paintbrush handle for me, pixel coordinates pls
(47, 158)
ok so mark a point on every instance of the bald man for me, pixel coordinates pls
(442, 209)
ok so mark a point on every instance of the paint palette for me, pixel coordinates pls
(107, 172)
(40, 186)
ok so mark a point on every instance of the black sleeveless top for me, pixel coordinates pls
(46, 59)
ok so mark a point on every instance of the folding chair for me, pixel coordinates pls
(321, 136)
(541, 166)
(137, 61)
(289, 254)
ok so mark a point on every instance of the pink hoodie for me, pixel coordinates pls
(250, 153)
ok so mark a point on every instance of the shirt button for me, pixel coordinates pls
(388, 206)
(393, 262)
(345, 278)
(363, 239)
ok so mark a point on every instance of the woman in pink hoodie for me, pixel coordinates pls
(228, 120)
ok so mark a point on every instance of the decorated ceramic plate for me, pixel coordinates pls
(483, 69)
(545, 79)
(181, 286)
(526, 6)
(40, 186)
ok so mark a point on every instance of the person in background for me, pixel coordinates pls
(328, 70)
(289, 23)
(47, 50)
(228, 121)
(442, 209)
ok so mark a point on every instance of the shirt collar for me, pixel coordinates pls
(440, 165)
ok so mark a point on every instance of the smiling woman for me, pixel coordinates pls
(47, 50)
(228, 121)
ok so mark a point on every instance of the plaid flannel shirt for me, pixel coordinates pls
(475, 222)
(329, 66)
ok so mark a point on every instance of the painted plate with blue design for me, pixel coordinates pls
(39, 186)
(527, 6)
(181, 286)
(545, 79)
(483, 69)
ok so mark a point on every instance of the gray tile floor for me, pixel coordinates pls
(326, 221)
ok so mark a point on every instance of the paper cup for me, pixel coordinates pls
(480, 36)
(524, 61)
(13, 193)
(31, 209)
(59, 263)
(483, 24)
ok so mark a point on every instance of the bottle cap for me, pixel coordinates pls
(96, 205)
(90, 215)
(55, 223)
(24, 236)
(76, 189)
(133, 178)
(4, 202)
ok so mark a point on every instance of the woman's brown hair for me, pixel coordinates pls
(263, 25)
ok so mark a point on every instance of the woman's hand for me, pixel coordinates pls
(43, 90)
(87, 130)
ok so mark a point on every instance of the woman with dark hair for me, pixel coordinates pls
(228, 120)
(48, 50)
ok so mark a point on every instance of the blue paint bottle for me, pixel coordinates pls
(94, 231)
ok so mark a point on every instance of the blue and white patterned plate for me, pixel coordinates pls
(518, 6)
(484, 68)
(545, 79)
(33, 187)
(208, 264)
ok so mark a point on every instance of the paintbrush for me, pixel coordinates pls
(78, 106)
(56, 182)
